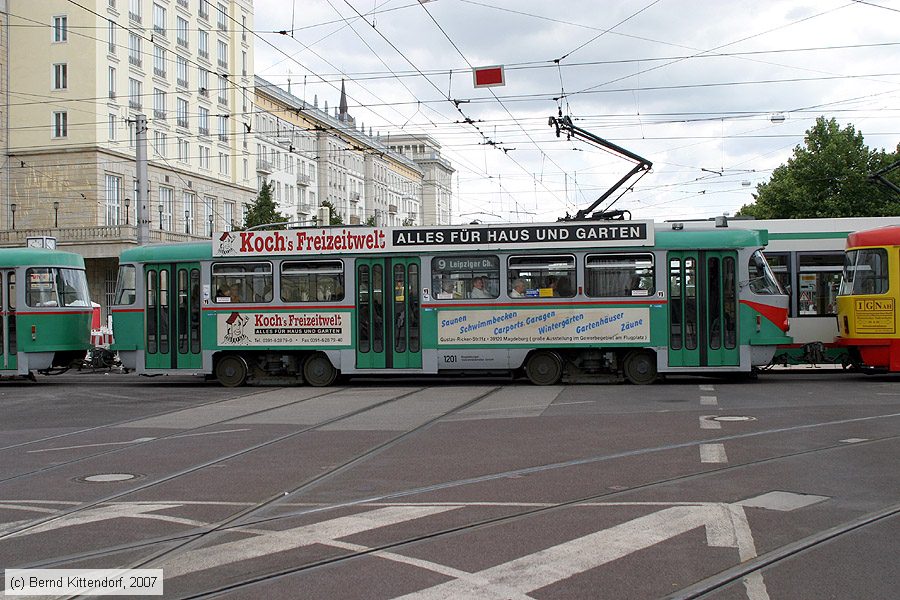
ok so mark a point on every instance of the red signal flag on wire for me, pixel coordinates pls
(488, 76)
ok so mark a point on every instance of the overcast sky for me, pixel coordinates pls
(692, 86)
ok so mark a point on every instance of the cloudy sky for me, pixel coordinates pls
(691, 85)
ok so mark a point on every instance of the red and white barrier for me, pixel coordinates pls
(102, 337)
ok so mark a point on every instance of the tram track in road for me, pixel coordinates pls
(297, 489)
(187, 537)
(773, 557)
(173, 435)
(714, 582)
(149, 484)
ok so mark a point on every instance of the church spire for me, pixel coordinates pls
(343, 107)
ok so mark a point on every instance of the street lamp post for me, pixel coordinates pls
(160, 216)
(12, 207)
(127, 212)
(187, 224)
(210, 224)
(56, 215)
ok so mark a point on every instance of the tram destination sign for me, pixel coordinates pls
(373, 240)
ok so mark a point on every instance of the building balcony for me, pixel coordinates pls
(392, 208)
(135, 61)
(184, 3)
(354, 197)
(303, 179)
(264, 166)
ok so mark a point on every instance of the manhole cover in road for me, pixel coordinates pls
(108, 477)
(733, 418)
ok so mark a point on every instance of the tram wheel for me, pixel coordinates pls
(640, 367)
(544, 368)
(231, 370)
(318, 370)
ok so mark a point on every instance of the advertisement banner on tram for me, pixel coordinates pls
(328, 329)
(551, 326)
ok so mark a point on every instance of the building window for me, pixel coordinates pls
(60, 29)
(223, 128)
(167, 207)
(222, 48)
(160, 143)
(113, 199)
(223, 91)
(181, 32)
(204, 9)
(228, 214)
(60, 124)
(184, 150)
(181, 112)
(188, 212)
(159, 61)
(203, 121)
(203, 43)
(113, 124)
(134, 49)
(135, 92)
(112, 83)
(60, 76)
(204, 157)
(209, 204)
(159, 104)
(243, 28)
(223, 163)
(134, 10)
(181, 72)
(203, 82)
(111, 36)
(221, 17)
(159, 19)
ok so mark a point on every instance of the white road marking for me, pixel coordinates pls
(271, 542)
(713, 453)
(707, 422)
(94, 515)
(709, 401)
(172, 437)
(854, 440)
(707, 388)
(519, 577)
(753, 583)
(578, 402)
(782, 501)
(134, 441)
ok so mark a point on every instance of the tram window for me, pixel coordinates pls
(125, 285)
(762, 281)
(543, 276)
(40, 287)
(56, 287)
(312, 281)
(465, 276)
(780, 263)
(818, 282)
(865, 272)
(242, 282)
(614, 275)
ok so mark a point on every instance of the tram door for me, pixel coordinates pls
(172, 335)
(703, 309)
(388, 334)
(8, 345)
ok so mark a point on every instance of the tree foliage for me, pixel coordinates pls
(828, 176)
(264, 211)
(336, 218)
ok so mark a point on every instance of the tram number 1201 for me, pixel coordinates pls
(450, 358)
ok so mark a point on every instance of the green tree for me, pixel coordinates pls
(828, 176)
(264, 211)
(336, 218)
(370, 222)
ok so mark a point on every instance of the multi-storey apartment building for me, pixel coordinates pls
(437, 192)
(356, 172)
(79, 73)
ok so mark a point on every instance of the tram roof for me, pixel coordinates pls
(16, 257)
(168, 252)
(881, 236)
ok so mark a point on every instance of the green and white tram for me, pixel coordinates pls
(46, 310)
(555, 302)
